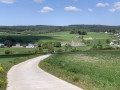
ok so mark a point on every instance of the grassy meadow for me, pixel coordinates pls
(91, 70)
(67, 37)
(63, 36)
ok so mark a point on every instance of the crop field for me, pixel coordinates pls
(91, 70)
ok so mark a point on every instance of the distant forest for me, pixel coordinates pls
(47, 29)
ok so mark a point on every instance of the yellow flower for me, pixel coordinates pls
(1, 68)
(1, 81)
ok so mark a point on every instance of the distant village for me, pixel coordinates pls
(18, 45)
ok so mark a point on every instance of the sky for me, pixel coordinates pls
(59, 12)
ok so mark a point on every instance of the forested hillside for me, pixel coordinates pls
(45, 28)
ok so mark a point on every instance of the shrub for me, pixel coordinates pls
(36, 51)
(100, 47)
(59, 50)
(8, 52)
(108, 48)
(73, 50)
(39, 44)
(50, 48)
(108, 41)
(57, 44)
(40, 50)
(2, 46)
(68, 47)
(94, 47)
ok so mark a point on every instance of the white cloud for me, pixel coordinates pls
(116, 7)
(46, 9)
(112, 10)
(7, 1)
(102, 5)
(74, 9)
(38, 1)
(90, 10)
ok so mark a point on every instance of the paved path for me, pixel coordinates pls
(28, 76)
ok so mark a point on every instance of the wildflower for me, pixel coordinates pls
(1, 68)
(1, 81)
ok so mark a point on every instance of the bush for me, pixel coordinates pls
(2, 46)
(36, 51)
(40, 44)
(100, 47)
(68, 47)
(94, 47)
(59, 50)
(40, 50)
(73, 50)
(8, 52)
(50, 48)
(57, 44)
(108, 48)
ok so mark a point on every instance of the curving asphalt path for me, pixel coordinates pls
(28, 76)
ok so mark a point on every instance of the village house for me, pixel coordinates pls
(1, 44)
(106, 32)
(36, 44)
(114, 42)
(17, 46)
(63, 43)
(77, 37)
(30, 45)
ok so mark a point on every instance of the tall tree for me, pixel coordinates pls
(8, 43)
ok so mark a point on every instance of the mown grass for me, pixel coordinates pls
(91, 70)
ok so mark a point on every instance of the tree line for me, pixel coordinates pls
(78, 32)
(47, 29)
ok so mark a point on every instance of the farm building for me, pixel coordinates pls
(77, 43)
(17, 46)
(90, 38)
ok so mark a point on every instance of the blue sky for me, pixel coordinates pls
(59, 12)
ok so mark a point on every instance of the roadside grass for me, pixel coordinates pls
(15, 50)
(7, 61)
(91, 70)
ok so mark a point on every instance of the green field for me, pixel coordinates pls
(66, 37)
(17, 52)
(91, 70)
(56, 36)
(7, 61)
